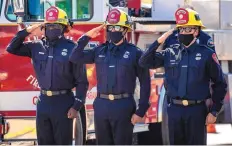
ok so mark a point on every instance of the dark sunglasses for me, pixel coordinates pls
(187, 29)
(53, 26)
(115, 27)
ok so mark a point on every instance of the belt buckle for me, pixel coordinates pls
(49, 93)
(111, 96)
(185, 102)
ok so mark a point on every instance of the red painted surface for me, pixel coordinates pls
(134, 4)
(18, 113)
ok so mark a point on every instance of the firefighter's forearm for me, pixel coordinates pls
(218, 96)
(81, 91)
(145, 89)
(17, 46)
(148, 58)
(78, 54)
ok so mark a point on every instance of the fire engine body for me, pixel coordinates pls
(19, 87)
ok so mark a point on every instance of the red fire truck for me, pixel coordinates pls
(19, 87)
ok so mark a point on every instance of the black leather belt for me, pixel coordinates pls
(52, 93)
(113, 97)
(186, 102)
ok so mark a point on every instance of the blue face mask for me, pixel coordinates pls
(53, 33)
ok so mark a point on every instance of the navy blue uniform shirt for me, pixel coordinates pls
(197, 63)
(117, 68)
(51, 63)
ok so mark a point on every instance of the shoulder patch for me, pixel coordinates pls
(134, 46)
(210, 43)
(214, 56)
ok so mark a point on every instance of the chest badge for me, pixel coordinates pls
(64, 52)
(198, 56)
(126, 54)
(101, 56)
(42, 53)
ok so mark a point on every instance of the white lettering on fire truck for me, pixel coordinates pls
(33, 81)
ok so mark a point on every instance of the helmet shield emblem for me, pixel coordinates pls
(182, 16)
(114, 16)
(52, 14)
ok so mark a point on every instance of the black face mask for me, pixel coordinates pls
(53, 34)
(53, 31)
(114, 37)
(185, 39)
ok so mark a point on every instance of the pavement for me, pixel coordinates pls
(222, 137)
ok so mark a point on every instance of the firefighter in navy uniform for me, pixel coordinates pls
(146, 137)
(117, 68)
(56, 76)
(189, 69)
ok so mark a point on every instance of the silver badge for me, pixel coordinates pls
(198, 56)
(64, 52)
(126, 54)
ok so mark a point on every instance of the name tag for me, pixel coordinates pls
(101, 56)
(41, 53)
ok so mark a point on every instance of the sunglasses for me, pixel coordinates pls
(115, 27)
(187, 29)
(53, 26)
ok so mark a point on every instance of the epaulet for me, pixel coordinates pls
(133, 45)
(206, 47)
(70, 41)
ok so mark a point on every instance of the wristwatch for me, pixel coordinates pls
(214, 113)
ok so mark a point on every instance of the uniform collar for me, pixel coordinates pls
(55, 42)
(113, 46)
(192, 47)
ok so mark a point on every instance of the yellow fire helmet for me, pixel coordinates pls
(56, 15)
(188, 17)
(120, 18)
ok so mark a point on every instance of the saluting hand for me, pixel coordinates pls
(32, 28)
(165, 36)
(93, 33)
(210, 119)
(72, 113)
(136, 119)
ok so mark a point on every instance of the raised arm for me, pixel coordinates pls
(17, 45)
(79, 55)
(151, 58)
